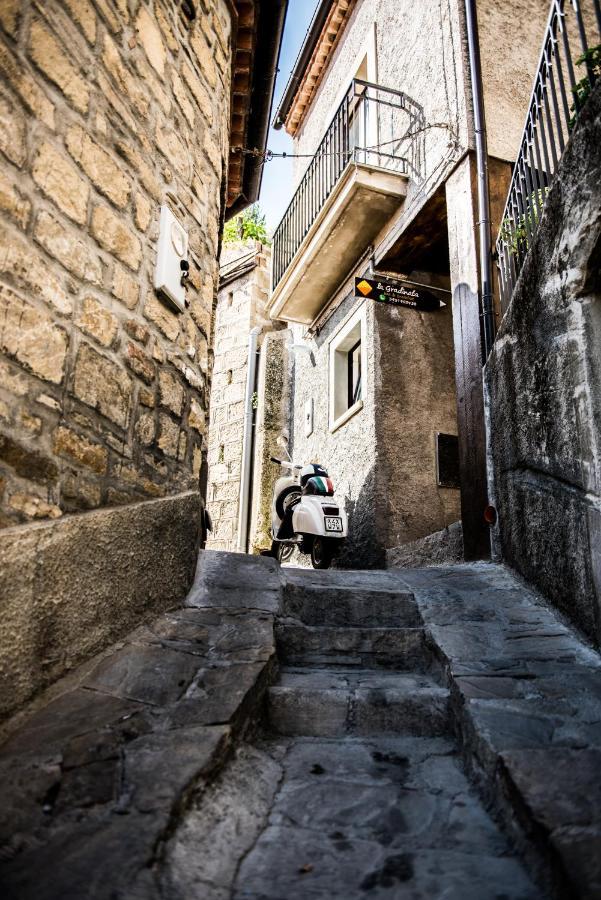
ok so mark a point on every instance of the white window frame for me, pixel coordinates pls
(339, 345)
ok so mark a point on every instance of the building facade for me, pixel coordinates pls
(388, 395)
(122, 129)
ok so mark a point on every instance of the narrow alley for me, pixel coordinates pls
(290, 733)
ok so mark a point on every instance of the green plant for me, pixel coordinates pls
(515, 233)
(254, 400)
(581, 90)
(248, 225)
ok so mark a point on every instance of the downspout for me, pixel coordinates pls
(247, 441)
(488, 316)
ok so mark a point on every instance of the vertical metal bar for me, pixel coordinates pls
(551, 80)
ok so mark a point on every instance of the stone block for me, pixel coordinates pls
(83, 13)
(78, 493)
(140, 363)
(60, 181)
(137, 330)
(125, 287)
(97, 321)
(168, 440)
(114, 235)
(143, 211)
(64, 245)
(102, 384)
(27, 463)
(171, 391)
(145, 429)
(52, 58)
(98, 165)
(12, 131)
(11, 201)
(127, 83)
(182, 98)
(73, 446)
(197, 417)
(28, 89)
(173, 149)
(150, 38)
(31, 337)
(31, 507)
(26, 266)
(199, 92)
(163, 318)
(203, 54)
(9, 15)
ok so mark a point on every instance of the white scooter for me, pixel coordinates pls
(306, 515)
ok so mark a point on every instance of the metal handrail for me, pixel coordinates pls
(552, 113)
(377, 126)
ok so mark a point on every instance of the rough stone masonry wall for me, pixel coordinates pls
(106, 107)
(240, 308)
(543, 388)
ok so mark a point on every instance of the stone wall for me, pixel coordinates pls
(108, 108)
(240, 308)
(543, 391)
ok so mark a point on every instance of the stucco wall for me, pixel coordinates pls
(543, 386)
(349, 453)
(415, 398)
(418, 51)
(106, 106)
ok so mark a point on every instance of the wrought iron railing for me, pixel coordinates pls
(373, 125)
(570, 64)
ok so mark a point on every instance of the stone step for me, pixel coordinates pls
(311, 645)
(319, 603)
(339, 701)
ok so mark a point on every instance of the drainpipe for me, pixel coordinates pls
(488, 317)
(247, 441)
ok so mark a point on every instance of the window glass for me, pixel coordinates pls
(354, 374)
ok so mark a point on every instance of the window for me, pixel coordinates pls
(347, 370)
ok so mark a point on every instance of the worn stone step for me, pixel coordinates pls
(320, 603)
(334, 702)
(312, 645)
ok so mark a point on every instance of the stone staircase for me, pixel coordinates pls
(354, 659)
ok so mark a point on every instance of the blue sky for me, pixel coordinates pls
(276, 189)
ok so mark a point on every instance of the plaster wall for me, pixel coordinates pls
(414, 48)
(415, 399)
(543, 393)
(349, 453)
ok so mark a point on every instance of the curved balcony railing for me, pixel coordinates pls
(570, 64)
(373, 125)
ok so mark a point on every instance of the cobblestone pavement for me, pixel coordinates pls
(431, 734)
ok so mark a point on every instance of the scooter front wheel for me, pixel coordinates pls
(284, 552)
(322, 552)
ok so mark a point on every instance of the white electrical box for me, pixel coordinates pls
(172, 251)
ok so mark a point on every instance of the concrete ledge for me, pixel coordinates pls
(70, 587)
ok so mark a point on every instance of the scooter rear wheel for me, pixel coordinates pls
(322, 552)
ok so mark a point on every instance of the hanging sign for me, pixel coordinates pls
(398, 293)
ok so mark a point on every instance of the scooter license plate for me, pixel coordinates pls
(333, 523)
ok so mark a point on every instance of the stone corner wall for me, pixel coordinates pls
(241, 306)
(543, 393)
(108, 109)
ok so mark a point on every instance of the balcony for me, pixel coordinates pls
(353, 185)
